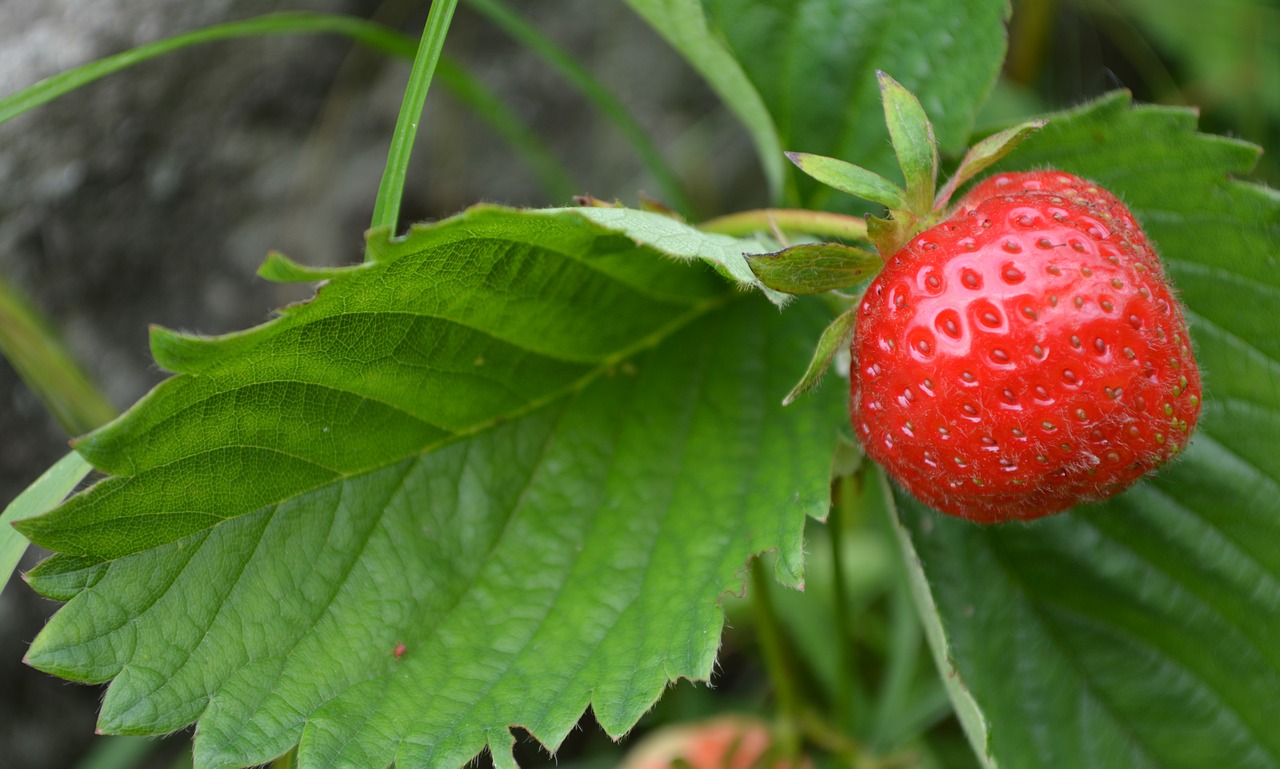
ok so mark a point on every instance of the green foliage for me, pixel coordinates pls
(508, 468)
(1136, 632)
(35, 351)
(684, 25)
(517, 443)
(373, 35)
(851, 178)
(38, 498)
(814, 268)
(814, 62)
(985, 154)
(913, 142)
(386, 207)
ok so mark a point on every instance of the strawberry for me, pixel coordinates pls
(1024, 355)
(1019, 352)
(726, 742)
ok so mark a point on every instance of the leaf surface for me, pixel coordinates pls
(814, 63)
(1144, 631)
(448, 495)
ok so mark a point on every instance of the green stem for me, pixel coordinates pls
(50, 88)
(819, 223)
(386, 210)
(848, 702)
(48, 368)
(781, 670)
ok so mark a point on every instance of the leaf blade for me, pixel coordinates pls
(813, 63)
(451, 582)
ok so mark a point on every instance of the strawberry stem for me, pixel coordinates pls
(820, 223)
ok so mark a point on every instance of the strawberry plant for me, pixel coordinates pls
(521, 464)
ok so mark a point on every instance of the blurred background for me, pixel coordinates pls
(153, 195)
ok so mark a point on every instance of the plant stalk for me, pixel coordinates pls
(44, 363)
(781, 670)
(386, 210)
(820, 223)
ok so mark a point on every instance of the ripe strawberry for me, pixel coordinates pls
(1024, 355)
(727, 742)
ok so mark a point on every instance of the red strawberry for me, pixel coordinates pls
(1024, 355)
(726, 742)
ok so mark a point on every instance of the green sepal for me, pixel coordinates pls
(837, 335)
(983, 155)
(913, 143)
(852, 179)
(890, 235)
(812, 268)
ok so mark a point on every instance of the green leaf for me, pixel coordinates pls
(812, 268)
(814, 63)
(912, 138)
(837, 336)
(683, 24)
(890, 235)
(852, 179)
(38, 498)
(675, 238)
(1141, 632)
(446, 496)
(985, 154)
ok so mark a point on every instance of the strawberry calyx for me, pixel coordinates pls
(919, 205)
(911, 209)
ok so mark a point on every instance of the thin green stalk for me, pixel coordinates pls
(38, 498)
(582, 79)
(779, 664)
(368, 33)
(799, 220)
(119, 752)
(848, 701)
(472, 92)
(48, 368)
(386, 209)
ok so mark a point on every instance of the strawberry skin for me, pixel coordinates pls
(1025, 355)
